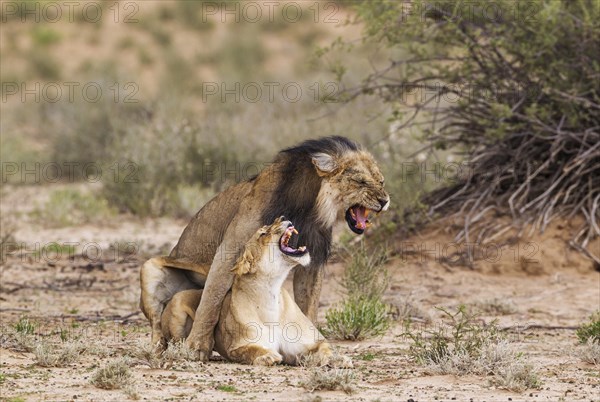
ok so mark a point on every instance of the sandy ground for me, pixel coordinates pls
(95, 299)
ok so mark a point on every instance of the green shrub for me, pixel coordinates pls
(356, 319)
(515, 92)
(365, 275)
(590, 330)
(362, 314)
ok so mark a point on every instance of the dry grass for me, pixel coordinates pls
(177, 353)
(14, 339)
(61, 355)
(495, 307)
(463, 346)
(114, 375)
(589, 352)
(330, 380)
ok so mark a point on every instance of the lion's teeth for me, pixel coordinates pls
(302, 248)
(295, 231)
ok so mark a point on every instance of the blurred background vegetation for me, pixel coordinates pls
(155, 132)
(387, 74)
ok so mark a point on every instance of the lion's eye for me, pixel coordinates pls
(382, 182)
(362, 182)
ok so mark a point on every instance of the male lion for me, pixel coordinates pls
(312, 184)
(259, 323)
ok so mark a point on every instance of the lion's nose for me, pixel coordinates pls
(383, 202)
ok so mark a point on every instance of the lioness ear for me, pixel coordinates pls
(324, 163)
(245, 264)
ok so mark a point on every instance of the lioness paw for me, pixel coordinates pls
(268, 359)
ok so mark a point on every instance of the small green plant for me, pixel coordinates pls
(367, 356)
(365, 274)
(362, 314)
(114, 375)
(25, 327)
(590, 330)
(227, 388)
(357, 318)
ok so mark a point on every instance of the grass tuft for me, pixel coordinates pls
(48, 355)
(589, 352)
(330, 380)
(114, 375)
(463, 345)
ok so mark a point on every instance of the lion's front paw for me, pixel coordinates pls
(268, 359)
(201, 351)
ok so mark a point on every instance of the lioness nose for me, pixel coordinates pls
(382, 202)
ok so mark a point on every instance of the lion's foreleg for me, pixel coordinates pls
(307, 290)
(218, 283)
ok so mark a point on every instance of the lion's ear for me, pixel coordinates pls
(246, 264)
(324, 163)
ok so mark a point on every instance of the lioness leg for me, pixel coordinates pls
(256, 355)
(178, 317)
(307, 290)
(159, 282)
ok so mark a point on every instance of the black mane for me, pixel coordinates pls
(296, 194)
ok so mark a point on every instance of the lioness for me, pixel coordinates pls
(259, 323)
(312, 184)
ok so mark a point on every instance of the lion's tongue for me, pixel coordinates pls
(360, 214)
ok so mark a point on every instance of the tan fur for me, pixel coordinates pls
(259, 322)
(210, 245)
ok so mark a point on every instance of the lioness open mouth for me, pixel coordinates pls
(284, 243)
(357, 217)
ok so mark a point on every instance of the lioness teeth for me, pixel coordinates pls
(302, 248)
(295, 231)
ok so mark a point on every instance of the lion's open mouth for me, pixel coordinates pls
(357, 217)
(284, 243)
